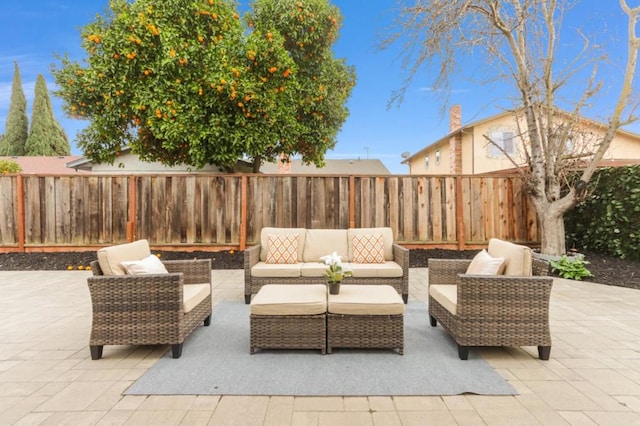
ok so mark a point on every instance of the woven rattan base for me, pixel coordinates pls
(365, 331)
(288, 332)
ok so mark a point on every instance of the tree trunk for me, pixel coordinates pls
(552, 231)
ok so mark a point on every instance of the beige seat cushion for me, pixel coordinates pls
(387, 239)
(264, 239)
(387, 269)
(193, 294)
(446, 295)
(111, 258)
(294, 299)
(366, 300)
(517, 258)
(314, 269)
(264, 270)
(321, 242)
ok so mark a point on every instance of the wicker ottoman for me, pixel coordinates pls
(289, 317)
(365, 316)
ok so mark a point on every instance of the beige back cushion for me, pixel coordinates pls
(111, 258)
(517, 258)
(387, 239)
(264, 239)
(321, 242)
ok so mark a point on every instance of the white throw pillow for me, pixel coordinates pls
(149, 265)
(484, 264)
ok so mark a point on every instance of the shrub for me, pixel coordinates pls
(607, 221)
(8, 166)
(573, 268)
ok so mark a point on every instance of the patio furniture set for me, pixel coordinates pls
(500, 298)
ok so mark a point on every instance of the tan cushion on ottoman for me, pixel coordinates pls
(294, 299)
(366, 300)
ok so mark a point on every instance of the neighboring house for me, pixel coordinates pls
(332, 167)
(129, 163)
(466, 150)
(42, 165)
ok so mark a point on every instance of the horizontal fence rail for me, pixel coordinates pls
(219, 212)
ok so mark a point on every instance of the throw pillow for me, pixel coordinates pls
(149, 265)
(368, 248)
(282, 249)
(484, 264)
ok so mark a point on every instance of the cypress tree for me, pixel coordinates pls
(17, 126)
(46, 137)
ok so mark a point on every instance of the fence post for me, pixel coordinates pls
(352, 201)
(459, 214)
(131, 223)
(21, 217)
(243, 213)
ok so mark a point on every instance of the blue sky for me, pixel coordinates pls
(33, 31)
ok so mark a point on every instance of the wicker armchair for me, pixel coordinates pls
(491, 310)
(151, 309)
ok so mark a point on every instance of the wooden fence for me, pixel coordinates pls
(219, 212)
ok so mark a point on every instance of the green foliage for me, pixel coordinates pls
(9, 166)
(186, 83)
(46, 137)
(607, 221)
(574, 268)
(17, 126)
(310, 29)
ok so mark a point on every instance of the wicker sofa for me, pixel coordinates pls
(511, 309)
(309, 245)
(161, 307)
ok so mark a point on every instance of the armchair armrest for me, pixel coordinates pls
(122, 295)
(501, 296)
(196, 271)
(446, 271)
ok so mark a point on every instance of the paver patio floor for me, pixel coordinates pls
(47, 376)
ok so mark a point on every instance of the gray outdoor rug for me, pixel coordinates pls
(216, 361)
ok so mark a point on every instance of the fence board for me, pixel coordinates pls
(206, 209)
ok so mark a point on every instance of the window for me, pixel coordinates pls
(426, 161)
(505, 139)
(437, 157)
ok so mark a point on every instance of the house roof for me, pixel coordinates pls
(43, 165)
(468, 127)
(338, 167)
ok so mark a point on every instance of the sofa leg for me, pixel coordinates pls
(463, 352)
(176, 350)
(247, 299)
(405, 298)
(207, 321)
(544, 352)
(433, 321)
(96, 351)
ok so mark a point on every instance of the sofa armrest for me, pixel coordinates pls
(445, 271)
(251, 257)
(401, 256)
(196, 271)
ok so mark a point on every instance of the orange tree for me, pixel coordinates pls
(181, 83)
(324, 83)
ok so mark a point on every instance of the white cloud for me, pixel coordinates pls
(434, 90)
